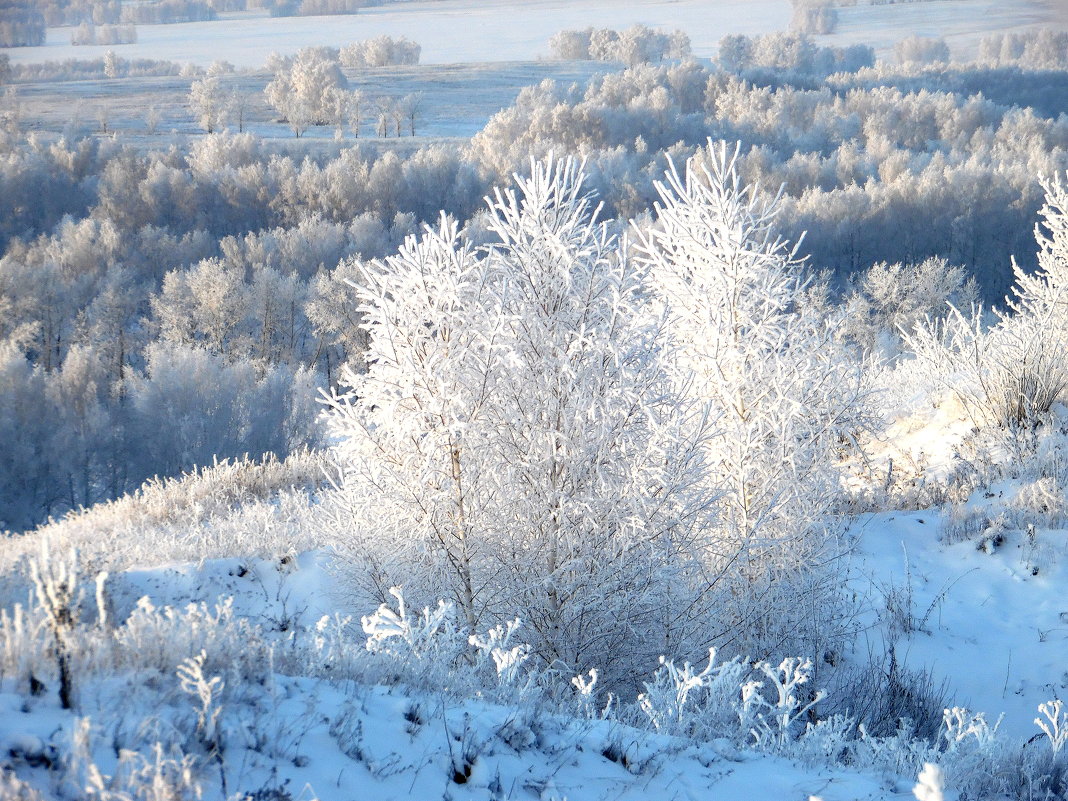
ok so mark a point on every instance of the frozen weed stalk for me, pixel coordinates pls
(788, 708)
(1055, 725)
(207, 693)
(55, 584)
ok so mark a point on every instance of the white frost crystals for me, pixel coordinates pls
(537, 434)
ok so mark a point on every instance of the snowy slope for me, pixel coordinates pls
(318, 737)
(979, 620)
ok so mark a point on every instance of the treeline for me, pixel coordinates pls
(72, 69)
(310, 8)
(638, 44)
(764, 58)
(21, 24)
(89, 34)
(873, 173)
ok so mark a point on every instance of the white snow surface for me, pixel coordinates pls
(477, 31)
(962, 23)
(449, 31)
(981, 621)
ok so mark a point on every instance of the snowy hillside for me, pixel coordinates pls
(658, 400)
(289, 702)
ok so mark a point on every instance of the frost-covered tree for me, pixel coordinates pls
(921, 50)
(514, 440)
(783, 396)
(892, 298)
(210, 102)
(304, 87)
(1011, 373)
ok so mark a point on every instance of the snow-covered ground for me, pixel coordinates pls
(462, 31)
(962, 23)
(450, 31)
(458, 99)
(978, 619)
(305, 711)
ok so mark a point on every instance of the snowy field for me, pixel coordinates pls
(450, 31)
(460, 31)
(458, 100)
(962, 23)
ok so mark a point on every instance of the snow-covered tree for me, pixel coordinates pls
(304, 88)
(210, 102)
(1011, 373)
(783, 396)
(514, 440)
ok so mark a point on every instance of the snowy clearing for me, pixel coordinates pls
(460, 31)
(450, 31)
(458, 100)
(962, 23)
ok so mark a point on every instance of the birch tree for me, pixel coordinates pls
(783, 395)
(515, 440)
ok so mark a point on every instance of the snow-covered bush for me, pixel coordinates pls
(380, 51)
(1010, 374)
(515, 440)
(773, 722)
(814, 16)
(921, 50)
(687, 703)
(891, 298)
(636, 45)
(55, 584)
(786, 400)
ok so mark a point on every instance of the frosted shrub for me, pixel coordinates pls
(23, 642)
(974, 758)
(163, 638)
(55, 585)
(403, 636)
(1055, 725)
(205, 693)
(772, 723)
(430, 649)
(787, 400)
(961, 726)
(814, 16)
(900, 754)
(495, 645)
(1010, 374)
(684, 702)
(921, 50)
(890, 298)
(425, 649)
(515, 445)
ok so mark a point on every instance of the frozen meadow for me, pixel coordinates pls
(469, 31)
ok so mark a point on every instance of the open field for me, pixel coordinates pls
(458, 99)
(962, 23)
(449, 31)
(465, 31)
